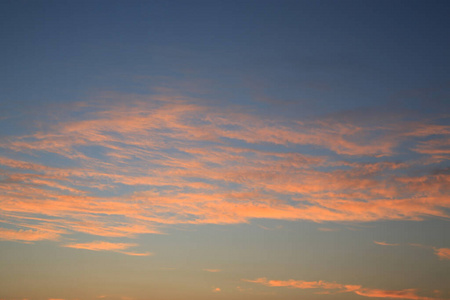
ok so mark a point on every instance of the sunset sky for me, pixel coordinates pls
(229, 150)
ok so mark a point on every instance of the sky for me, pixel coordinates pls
(168, 150)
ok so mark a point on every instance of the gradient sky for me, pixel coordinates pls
(168, 150)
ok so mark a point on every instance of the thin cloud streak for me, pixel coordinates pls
(385, 244)
(107, 246)
(410, 294)
(29, 235)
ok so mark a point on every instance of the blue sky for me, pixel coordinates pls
(365, 51)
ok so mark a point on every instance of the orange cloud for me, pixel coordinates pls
(410, 294)
(100, 246)
(299, 284)
(442, 253)
(402, 294)
(27, 235)
(194, 164)
(106, 246)
(385, 244)
(212, 270)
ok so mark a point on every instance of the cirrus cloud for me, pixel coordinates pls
(107, 246)
(128, 169)
(409, 294)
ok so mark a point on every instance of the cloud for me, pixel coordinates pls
(122, 170)
(299, 284)
(326, 229)
(385, 244)
(402, 294)
(342, 288)
(212, 270)
(442, 253)
(136, 253)
(438, 149)
(106, 246)
(216, 290)
(100, 246)
(28, 235)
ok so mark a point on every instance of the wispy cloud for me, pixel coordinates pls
(189, 163)
(411, 294)
(442, 253)
(327, 229)
(385, 244)
(212, 270)
(107, 246)
(28, 235)
(401, 294)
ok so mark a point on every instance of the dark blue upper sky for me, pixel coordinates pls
(355, 52)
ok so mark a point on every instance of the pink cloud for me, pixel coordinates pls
(184, 157)
(402, 294)
(100, 246)
(28, 235)
(385, 244)
(442, 253)
(299, 284)
(410, 294)
(106, 246)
